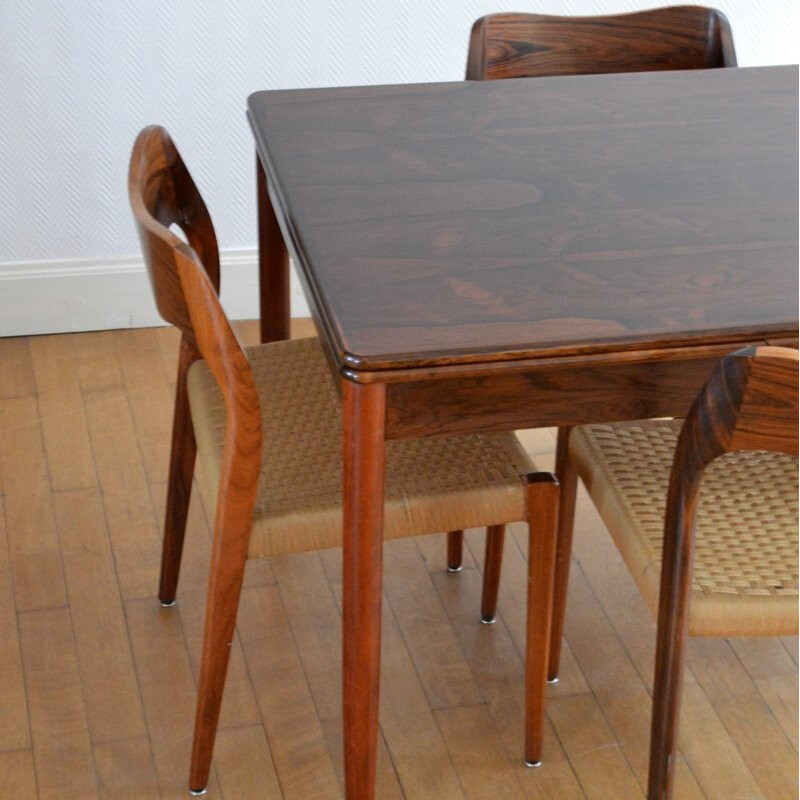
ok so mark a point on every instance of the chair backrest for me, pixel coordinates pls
(185, 280)
(536, 45)
(162, 194)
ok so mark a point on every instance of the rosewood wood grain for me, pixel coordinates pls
(542, 505)
(551, 392)
(567, 495)
(363, 413)
(537, 45)
(497, 220)
(749, 403)
(495, 535)
(273, 258)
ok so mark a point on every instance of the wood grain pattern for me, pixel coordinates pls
(749, 403)
(536, 45)
(497, 220)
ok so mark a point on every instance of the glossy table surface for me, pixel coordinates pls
(481, 221)
(515, 254)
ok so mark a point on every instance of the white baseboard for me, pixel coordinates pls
(98, 294)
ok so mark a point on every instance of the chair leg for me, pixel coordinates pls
(179, 485)
(568, 482)
(673, 625)
(228, 558)
(495, 536)
(455, 550)
(542, 492)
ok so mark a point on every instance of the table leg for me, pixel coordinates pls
(363, 419)
(568, 482)
(273, 266)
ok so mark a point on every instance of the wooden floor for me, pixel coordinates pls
(97, 681)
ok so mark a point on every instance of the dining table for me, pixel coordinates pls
(500, 255)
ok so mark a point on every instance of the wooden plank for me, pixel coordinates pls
(714, 759)
(479, 758)
(66, 438)
(499, 671)
(15, 731)
(62, 751)
(294, 734)
(774, 673)
(434, 649)
(762, 744)
(167, 690)
(245, 765)
(135, 534)
(316, 627)
(32, 538)
(18, 776)
(149, 397)
(110, 689)
(16, 369)
(125, 770)
(96, 361)
(592, 750)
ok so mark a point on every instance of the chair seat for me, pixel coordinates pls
(746, 544)
(432, 485)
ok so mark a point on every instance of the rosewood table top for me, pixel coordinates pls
(482, 221)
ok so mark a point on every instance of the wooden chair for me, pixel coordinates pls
(539, 46)
(724, 562)
(265, 422)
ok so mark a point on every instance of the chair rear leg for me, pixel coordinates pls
(542, 492)
(568, 482)
(179, 485)
(495, 536)
(455, 550)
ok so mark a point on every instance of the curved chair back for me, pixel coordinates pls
(536, 45)
(185, 279)
(750, 402)
(163, 194)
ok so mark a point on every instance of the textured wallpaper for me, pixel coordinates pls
(78, 79)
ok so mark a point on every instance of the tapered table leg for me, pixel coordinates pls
(568, 483)
(363, 414)
(273, 267)
(542, 512)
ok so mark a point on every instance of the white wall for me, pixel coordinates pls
(79, 78)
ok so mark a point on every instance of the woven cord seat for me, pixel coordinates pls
(432, 485)
(746, 542)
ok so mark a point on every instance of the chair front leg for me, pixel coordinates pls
(228, 557)
(542, 492)
(673, 626)
(179, 484)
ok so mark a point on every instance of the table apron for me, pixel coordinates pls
(551, 394)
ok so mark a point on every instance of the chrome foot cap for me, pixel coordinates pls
(168, 605)
(455, 569)
(488, 620)
(553, 680)
(532, 763)
(198, 792)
